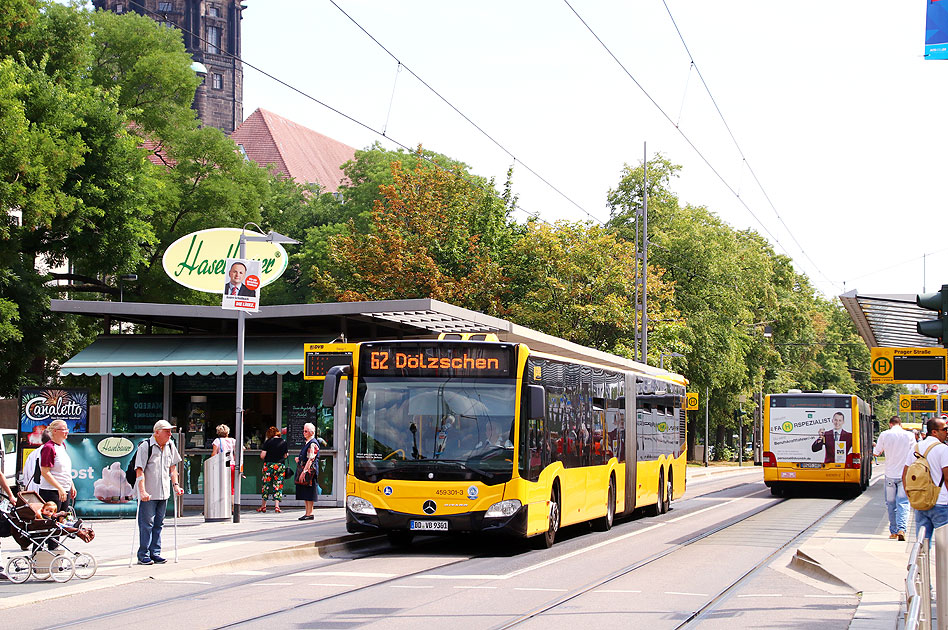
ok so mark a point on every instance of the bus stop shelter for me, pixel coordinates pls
(888, 320)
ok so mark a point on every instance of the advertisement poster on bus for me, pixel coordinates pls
(819, 436)
(242, 289)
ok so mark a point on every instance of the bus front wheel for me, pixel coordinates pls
(546, 540)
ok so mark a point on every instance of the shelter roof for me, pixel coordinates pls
(319, 323)
(888, 320)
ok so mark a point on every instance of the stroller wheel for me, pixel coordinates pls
(85, 566)
(62, 568)
(19, 569)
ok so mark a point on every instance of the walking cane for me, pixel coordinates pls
(131, 555)
(175, 499)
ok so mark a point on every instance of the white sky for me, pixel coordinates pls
(832, 103)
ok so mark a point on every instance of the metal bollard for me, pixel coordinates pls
(918, 600)
(941, 576)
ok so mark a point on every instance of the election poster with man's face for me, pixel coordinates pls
(242, 288)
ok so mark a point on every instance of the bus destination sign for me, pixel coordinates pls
(436, 359)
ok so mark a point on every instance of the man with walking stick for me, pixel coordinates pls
(156, 468)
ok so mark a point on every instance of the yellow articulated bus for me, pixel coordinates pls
(817, 437)
(488, 436)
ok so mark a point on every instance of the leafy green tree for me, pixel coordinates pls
(577, 281)
(434, 234)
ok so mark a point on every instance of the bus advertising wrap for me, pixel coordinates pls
(820, 436)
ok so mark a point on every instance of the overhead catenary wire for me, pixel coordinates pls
(760, 186)
(463, 115)
(383, 133)
(684, 136)
(364, 125)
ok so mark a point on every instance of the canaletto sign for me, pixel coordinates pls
(198, 260)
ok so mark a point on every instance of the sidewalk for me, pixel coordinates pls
(852, 549)
(258, 541)
(702, 472)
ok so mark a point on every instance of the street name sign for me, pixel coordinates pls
(908, 365)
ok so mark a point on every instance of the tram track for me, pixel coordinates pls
(713, 602)
(558, 601)
(218, 591)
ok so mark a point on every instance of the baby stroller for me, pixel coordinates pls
(49, 557)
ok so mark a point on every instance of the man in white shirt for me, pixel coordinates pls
(938, 464)
(156, 466)
(895, 443)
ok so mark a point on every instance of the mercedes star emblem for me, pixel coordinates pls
(429, 507)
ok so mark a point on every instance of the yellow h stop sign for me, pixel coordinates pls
(691, 401)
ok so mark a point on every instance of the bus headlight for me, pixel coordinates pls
(359, 505)
(503, 509)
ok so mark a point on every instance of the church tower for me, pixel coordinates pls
(211, 32)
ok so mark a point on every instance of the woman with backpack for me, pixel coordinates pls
(30, 476)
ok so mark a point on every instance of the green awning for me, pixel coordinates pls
(134, 355)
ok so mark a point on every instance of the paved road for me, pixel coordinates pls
(646, 572)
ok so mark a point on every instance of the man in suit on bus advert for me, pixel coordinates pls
(836, 443)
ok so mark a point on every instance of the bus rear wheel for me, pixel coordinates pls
(546, 540)
(665, 496)
(604, 524)
(656, 510)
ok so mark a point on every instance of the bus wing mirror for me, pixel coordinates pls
(536, 402)
(331, 384)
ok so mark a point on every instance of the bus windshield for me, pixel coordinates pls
(447, 429)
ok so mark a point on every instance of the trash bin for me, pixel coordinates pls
(217, 495)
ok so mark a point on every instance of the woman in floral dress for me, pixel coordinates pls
(274, 469)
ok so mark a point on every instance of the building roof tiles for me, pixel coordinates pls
(293, 150)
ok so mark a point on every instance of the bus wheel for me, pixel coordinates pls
(776, 490)
(664, 498)
(399, 537)
(604, 523)
(545, 541)
(656, 510)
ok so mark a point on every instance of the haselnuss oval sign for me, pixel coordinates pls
(198, 260)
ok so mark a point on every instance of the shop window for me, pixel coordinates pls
(217, 81)
(213, 40)
(200, 403)
(301, 404)
(137, 403)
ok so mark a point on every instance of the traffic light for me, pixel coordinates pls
(934, 302)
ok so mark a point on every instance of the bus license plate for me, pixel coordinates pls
(811, 465)
(428, 526)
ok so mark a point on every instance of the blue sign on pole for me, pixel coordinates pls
(936, 30)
